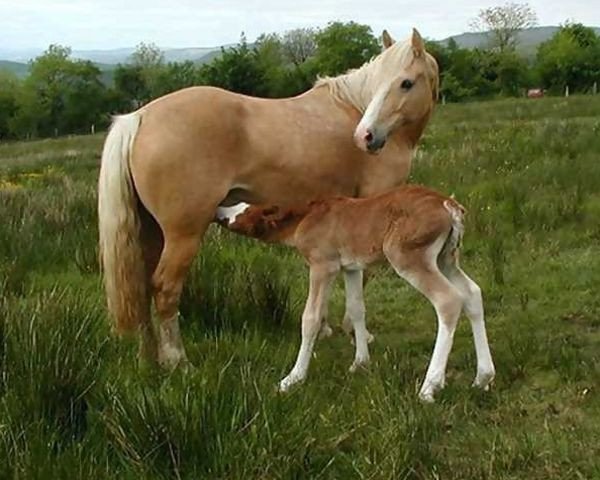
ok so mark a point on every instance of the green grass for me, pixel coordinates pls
(75, 404)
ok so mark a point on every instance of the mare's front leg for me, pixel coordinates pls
(321, 280)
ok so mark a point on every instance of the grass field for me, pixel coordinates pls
(75, 404)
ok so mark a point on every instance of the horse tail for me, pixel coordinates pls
(120, 247)
(457, 213)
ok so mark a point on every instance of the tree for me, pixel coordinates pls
(467, 73)
(503, 73)
(342, 46)
(237, 69)
(299, 45)
(503, 23)
(176, 75)
(147, 55)
(59, 95)
(9, 86)
(283, 76)
(269, 57)
(149, 60)
(84, 98)
(129, 87)
(571, 57)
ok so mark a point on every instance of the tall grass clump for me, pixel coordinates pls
(237, 285)
(53, 346)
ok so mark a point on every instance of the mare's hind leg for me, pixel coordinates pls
(473, 306)
(152, 246)
(175, 260)
(419, 268)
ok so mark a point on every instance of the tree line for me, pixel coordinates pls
(63, 95)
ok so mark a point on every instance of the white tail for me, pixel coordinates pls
(457, 213)
(121, 253)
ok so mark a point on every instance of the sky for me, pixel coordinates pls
(107, 24)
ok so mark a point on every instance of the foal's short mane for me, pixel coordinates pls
(358, 86)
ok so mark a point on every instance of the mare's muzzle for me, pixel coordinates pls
(374, 142)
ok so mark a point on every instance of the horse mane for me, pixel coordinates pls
(358, 86)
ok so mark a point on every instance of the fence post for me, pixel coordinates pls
(595, 88)
(93, 129)
(567, 91)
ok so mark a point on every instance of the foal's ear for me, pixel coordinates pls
(387, 40)
(417, 43)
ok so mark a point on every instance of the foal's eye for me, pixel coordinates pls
(406, 84)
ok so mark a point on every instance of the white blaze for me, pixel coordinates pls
(231, 213)
(371, 114)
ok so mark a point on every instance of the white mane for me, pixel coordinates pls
(358, 86)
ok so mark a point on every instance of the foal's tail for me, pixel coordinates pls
(121, 254)
(452, 245)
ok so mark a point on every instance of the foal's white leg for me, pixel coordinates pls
(423, 274)
(447, 302)
(326, 330)
(347, 324)
(473, 305)
(355, 310)
(318, 295)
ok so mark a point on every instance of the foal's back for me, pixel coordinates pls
(357, 229)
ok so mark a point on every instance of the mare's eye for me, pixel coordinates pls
(406, 84)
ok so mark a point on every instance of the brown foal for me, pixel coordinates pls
(416, 229)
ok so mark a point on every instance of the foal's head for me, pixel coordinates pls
(404, 88)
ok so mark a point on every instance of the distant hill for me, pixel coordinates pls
(107, 60)
(122, 55)
(117, 55)
(16, 60)
(529, 39)
(19, 69)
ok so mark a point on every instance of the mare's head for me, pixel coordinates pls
(402, 84)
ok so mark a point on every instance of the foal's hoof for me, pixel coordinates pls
(484, 380)
(287, 383)
(359, 364)
(426, 397)
(325, 331)
(430, 388)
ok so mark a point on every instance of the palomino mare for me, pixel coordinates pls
(169, 165)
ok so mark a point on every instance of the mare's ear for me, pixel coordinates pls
(387, 40)
(417, 43)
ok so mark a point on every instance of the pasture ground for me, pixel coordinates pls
(75, 404)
